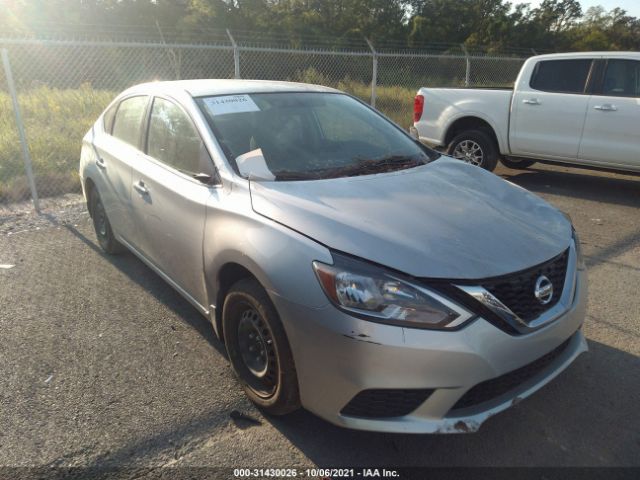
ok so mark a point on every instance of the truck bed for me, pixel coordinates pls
(443, 106)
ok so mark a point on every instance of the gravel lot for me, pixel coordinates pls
(103, 364)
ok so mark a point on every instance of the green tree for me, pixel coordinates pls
(554, 25)
(558, 15)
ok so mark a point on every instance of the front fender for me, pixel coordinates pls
(280, 258)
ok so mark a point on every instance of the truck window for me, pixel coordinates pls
(561, 76)
(622, 78)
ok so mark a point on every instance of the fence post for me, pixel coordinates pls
(236, 55)
(172, 54)
(374, 73)
(23, 139)
(467, 74)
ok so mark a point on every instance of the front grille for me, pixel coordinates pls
(516, 291)
(385, 403)
(495, 387)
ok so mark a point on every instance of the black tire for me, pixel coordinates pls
(270, 381)
(517, 163)
(482, 148)
(102, 226)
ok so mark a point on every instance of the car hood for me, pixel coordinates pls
(445, 219)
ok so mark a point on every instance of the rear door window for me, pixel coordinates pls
(622, 79)
(561, 76)
(127, 124)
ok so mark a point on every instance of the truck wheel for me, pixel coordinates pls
(258, 348)
(516, 163)
(475, 147)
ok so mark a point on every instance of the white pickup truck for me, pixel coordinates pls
(573, 108)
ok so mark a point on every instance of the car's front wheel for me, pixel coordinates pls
(258, 348)
(102, 226)
(476, 148)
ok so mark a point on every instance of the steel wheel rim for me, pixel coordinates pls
(469, 152)
(256, 348)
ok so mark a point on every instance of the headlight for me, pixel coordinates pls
(580, 259)
(376, 294)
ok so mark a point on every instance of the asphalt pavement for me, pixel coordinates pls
(102, 364)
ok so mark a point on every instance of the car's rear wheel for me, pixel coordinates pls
(102, 226)
(258, 348)
(476, 148)
(517, 163)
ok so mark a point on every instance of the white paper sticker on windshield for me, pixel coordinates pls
(230, 104)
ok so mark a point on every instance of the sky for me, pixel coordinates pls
(631, 6)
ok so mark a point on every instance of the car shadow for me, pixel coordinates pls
(141, 274)
(578, 183)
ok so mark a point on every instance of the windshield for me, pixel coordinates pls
(299, 136)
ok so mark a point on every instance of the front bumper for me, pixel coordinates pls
(338, 356)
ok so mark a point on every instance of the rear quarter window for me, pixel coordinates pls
(561, 76)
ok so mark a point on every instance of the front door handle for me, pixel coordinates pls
(141, 188)
(607, 107)
(531, 101)
(101, 163)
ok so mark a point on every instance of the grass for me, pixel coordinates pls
(55, 122)
(57, 119)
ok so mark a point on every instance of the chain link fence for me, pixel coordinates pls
(61, 87)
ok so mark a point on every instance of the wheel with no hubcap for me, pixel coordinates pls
(102, 226)
(476, 148)
(258, 348)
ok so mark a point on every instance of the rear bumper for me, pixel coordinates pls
(338, 356)
(431, 142)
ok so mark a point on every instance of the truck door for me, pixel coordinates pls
(549, 108)
(611, 133)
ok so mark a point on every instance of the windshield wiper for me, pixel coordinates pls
(388, 163)
(293, 175)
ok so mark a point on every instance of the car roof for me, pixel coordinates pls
(208, 87)
(589, 55)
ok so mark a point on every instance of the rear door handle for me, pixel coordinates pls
(141, 188)
(101, 163)
(531, 101)
(607, 107)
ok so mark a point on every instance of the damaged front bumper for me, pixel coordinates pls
(338, 357)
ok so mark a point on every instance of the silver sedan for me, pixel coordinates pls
(347, 268)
